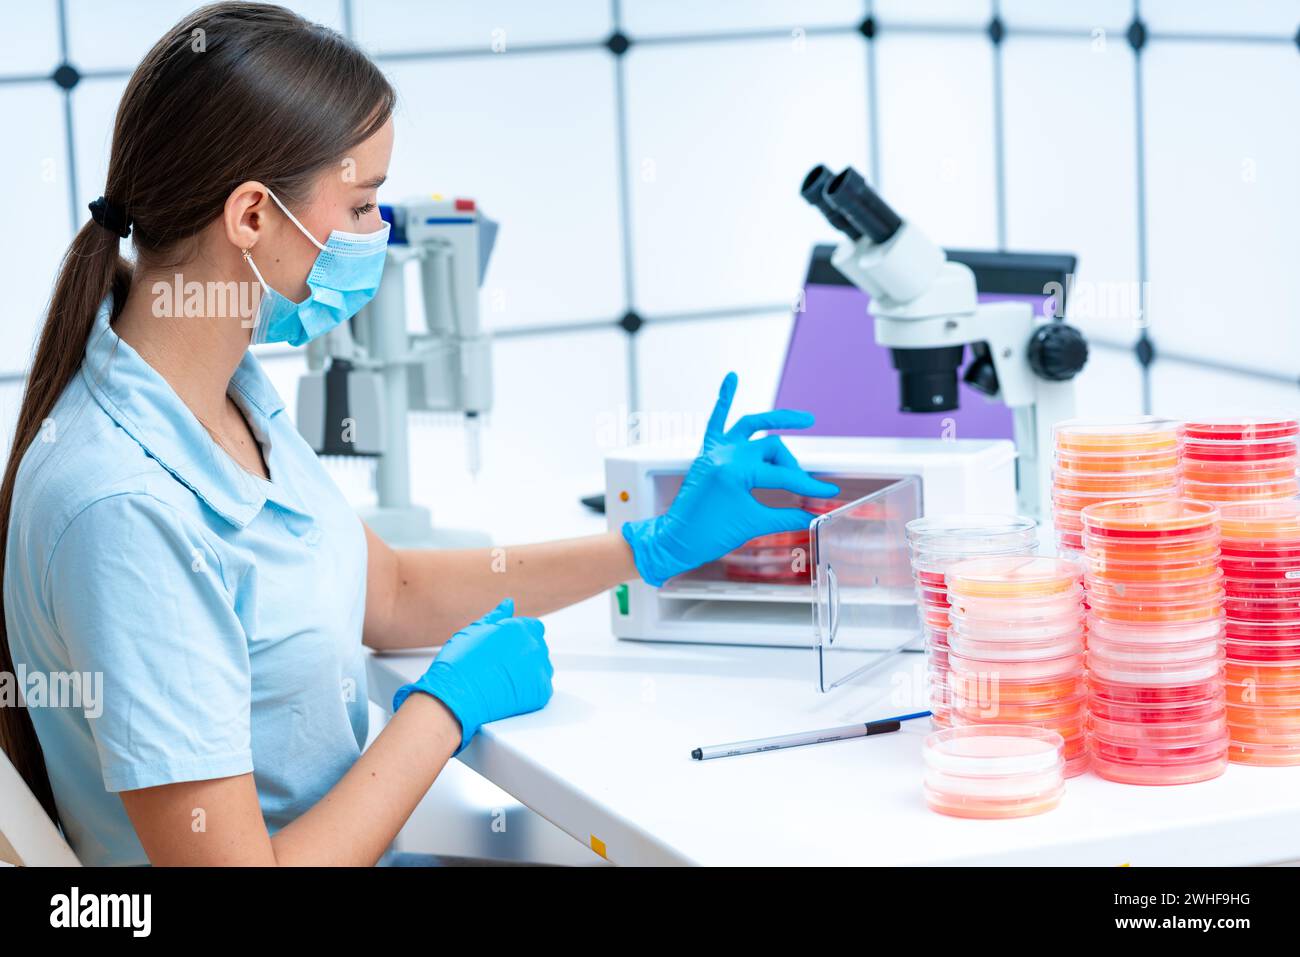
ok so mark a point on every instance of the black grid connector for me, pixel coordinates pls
(631, 322)
(66, 76)
(618, 43)
(996, 30)
(1146, 351)
(1137, 35)
(868, 28)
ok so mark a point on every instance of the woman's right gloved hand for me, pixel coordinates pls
(495, 668)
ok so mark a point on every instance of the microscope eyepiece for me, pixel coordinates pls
(851, 196)
(814, 191)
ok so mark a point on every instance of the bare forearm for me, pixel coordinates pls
(357, 820)
(438, 592)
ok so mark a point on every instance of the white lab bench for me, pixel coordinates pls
(608, 761)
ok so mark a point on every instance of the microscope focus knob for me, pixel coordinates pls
(1057, 352)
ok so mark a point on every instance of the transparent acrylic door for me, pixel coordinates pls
(863, 599)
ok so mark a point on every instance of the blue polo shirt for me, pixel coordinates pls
(173, 617)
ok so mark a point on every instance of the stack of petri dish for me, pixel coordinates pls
(993, 771)
(1016, 648)
(1240, 459)
(1105, 461)
(1156, 701)
(1261, 566)
(936, 543)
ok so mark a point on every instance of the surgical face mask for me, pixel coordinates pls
(344, 278)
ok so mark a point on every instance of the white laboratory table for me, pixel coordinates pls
(608, 761)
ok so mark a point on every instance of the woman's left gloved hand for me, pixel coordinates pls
(714, 511)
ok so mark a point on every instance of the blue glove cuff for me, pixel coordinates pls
(441, 682)
(654, 566)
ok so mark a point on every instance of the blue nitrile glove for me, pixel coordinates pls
(495, 668)
(714, 511)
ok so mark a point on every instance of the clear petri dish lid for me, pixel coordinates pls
(1148, 653)
(1243, 428)
(1042, 609)
(1126, 434)
(1139, 633)
(994, 750)
(1161, 676)
(1063, 498)
(1137, 477)
(996, 653)
(1154, 518)
(924, 560)
(1021, 630)
(960, 528)
(1017, 576)
(1137, 600)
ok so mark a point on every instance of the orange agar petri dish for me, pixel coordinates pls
(1264, 716)
(1122, 435)
(1263, 755)
(1020, 576)
(985, 690)
(1151, 612)
(1153, 519)
(1261, 522)
(1105, 462)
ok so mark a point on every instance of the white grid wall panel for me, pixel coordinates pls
(532, 138)
(1071, 168)
(936, 134)
(1223, 197)
(720, 137)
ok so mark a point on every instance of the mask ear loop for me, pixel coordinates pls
(266, 290)
(294, 219)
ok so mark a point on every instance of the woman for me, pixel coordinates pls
(167, 531)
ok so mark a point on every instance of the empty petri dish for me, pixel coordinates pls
(993, 770)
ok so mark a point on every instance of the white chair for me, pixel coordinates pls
(27, 835)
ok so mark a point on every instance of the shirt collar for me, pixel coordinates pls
(140, 400)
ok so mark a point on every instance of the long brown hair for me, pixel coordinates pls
(234, 91)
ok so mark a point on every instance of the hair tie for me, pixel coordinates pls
(111, 216)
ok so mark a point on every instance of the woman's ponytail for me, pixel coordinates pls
(91, 269)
